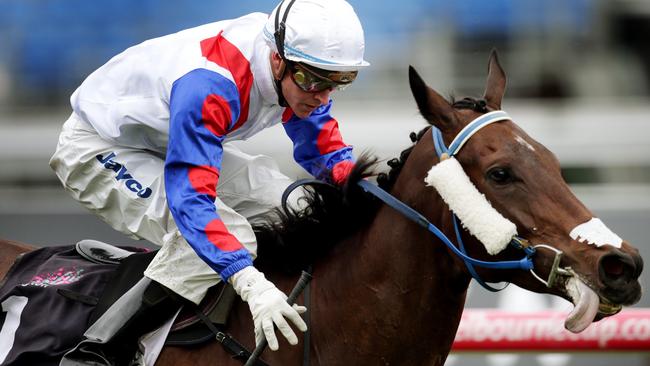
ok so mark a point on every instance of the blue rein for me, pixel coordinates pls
(526, 263)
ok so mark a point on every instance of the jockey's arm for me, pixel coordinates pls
(203, 108)
(318, 145)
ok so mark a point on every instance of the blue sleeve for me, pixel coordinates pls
(203, 108)
(317, 142)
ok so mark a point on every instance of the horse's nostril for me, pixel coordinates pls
(612, 266)
(618, 273)
(617, 269)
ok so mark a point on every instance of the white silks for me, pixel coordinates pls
(471, 207)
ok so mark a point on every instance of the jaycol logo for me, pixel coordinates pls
(123, 175)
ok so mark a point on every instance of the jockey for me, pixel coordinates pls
(147, 149)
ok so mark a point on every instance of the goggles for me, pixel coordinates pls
(316, 80)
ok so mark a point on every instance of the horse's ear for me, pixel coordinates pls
(496, 82)
(433, 107)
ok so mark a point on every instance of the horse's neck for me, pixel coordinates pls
(396, 286)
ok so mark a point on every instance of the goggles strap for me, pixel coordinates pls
(280, 27)
(279, 43)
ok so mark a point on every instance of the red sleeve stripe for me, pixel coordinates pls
(329, 138)
(216, 114)
(218, 235)
(220, 51)
(204, 179)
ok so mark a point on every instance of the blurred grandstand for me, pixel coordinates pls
(584, 60)
(553, 48)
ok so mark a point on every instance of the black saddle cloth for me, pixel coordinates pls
(52, 295)
(37, 309)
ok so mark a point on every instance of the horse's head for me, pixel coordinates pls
(576, 254)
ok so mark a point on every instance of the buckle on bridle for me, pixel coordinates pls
(555, 267)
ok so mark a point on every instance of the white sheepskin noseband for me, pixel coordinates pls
(472, 208)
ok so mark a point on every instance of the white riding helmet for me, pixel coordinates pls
(325, 34)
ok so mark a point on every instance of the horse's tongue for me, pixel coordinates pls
(585, 302)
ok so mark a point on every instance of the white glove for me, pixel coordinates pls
(268, 306)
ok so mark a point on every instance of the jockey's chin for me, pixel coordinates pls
(304, 110)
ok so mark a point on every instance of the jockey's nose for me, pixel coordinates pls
(323, 96)
(619, 271)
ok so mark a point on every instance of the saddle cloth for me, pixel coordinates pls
(51, 295)
(39, 323)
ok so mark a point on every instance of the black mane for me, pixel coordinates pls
(387, 180)
(291, 241)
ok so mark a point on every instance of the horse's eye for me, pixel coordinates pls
(500, 175)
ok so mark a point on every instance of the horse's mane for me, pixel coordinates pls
(387, 180)
(292, 240)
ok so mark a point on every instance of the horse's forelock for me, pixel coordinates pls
(475, 104)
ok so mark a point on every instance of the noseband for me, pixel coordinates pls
(525, 263)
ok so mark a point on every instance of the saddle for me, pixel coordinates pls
(100, 252)
(188, 328)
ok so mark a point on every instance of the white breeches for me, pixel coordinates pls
(249, 187)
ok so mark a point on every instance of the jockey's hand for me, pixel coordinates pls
(269, 306)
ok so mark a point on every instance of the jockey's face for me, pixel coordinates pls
(301, 102)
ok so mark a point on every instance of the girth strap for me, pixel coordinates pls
(238, 351)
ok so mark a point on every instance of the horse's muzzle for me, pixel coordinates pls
(619, 273)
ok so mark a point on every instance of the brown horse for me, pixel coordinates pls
(387, 292)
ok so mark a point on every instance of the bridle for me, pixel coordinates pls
(525, 263)
(517, 242)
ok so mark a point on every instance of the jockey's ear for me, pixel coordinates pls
(496, 82)
(278, 66)
(433, 107)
